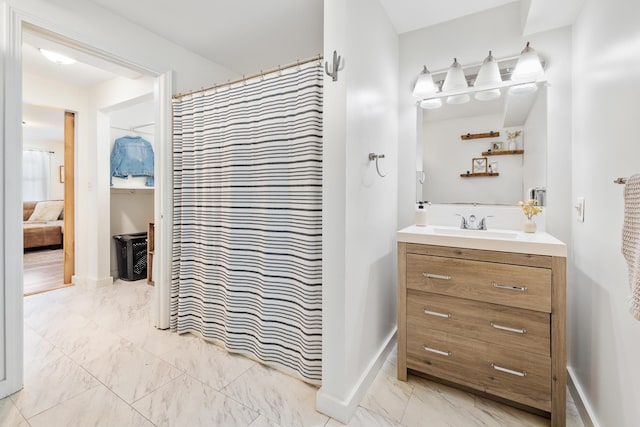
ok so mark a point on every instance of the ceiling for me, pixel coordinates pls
(242, 35)
(249, 35)
(409, 15)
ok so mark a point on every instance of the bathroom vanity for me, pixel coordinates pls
(485, 310)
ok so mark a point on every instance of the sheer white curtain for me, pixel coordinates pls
(36, 175)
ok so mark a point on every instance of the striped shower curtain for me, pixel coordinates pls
(247, 228)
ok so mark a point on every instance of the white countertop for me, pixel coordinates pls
(539, 243)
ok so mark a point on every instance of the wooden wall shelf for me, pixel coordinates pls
(491, 134)
(475, 175)
(502, 152)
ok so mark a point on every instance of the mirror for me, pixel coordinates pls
(501, 174)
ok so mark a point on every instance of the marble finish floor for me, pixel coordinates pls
(92, 358)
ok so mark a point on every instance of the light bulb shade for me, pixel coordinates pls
(431, 104)
(489, 74)
(424, 87)
(528, 67)
(488, 95)
(458, 99)
(455, 79)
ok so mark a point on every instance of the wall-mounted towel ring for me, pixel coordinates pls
(374, 156)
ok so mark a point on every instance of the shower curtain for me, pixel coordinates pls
(247, 227)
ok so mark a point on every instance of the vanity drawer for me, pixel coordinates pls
(491, 368)
(506, 284)
(518, 328)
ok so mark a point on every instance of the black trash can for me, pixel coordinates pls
(131, 252)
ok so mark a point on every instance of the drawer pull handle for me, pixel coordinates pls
(436, 276)
(509, 371)
(508, 329)
(440, 352)
(435, 313)
(510, 287)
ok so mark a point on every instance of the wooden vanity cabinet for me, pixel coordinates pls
(490, 321)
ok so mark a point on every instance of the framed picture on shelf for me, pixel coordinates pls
(497, 146)
(479, 165)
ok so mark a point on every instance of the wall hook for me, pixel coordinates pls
(334, 67)
(374, 156)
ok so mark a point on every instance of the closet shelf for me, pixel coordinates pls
(130, 190)
(502, 152)
(476, 175)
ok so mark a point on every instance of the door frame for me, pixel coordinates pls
(11, 300)
(69, 236)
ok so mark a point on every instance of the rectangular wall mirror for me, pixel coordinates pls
(448, 174)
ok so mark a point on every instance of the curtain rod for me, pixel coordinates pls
(131, 130)
(250, 76)
(39, 150)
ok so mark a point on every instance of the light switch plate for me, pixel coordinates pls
(580, 209)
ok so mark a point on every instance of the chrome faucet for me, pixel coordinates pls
(472, 223)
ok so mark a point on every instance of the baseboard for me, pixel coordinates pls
(94, 282)
(582, 403)
(343, 409)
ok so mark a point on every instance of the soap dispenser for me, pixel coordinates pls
(421, 215)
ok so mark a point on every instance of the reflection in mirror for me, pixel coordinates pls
(446, 157)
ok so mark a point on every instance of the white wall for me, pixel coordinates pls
(56, 159)
(604, 341)
(469, 38)
(359, 207)
(93, 26)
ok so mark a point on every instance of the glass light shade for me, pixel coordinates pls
(56, 57)
(425, 87)
(431, 104)
(488, 95)
(488, 76)
(458, 99)
(455, 79)
(528, 67)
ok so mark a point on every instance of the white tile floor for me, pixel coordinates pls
(92, 358)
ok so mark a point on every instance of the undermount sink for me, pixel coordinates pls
(489, 234)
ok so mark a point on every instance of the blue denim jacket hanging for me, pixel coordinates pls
(132, 155)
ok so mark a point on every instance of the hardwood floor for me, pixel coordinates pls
(43, 271)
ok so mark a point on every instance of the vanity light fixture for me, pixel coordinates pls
(488, 76)
(431, 104)
(528, 67)
(56, 57)
(455, 81)
(426, 88)
(520, 74)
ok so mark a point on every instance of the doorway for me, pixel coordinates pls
(48, 198)
(92, 243)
